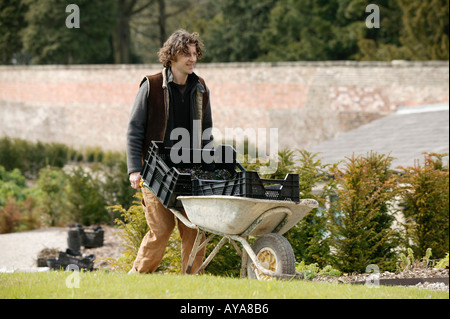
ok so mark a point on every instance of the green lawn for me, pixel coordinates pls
(103, 285)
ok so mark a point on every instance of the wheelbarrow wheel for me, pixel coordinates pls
(274, 253)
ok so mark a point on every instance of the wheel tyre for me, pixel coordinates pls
(269, 246)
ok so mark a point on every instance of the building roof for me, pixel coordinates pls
(405, 135)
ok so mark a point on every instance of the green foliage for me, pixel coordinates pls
(51, 193)
(408, 262)
(30, 157)
(425, 33)
(113, 179)
(12, 185)
(308, 236)
(131, 31)
(85, 201)
(93, 154)
(311, 271)
(19, 216)
(69, 195)
(227, 262)
(233, 34)
(11, 23)
(17, 207)
(425, 197)
(72, 196)
(412, 30)
(48, 39)
(309, 30)
(134, 227)
(360, 221)
(443, 263)
(353, 230)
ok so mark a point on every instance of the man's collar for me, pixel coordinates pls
(168, 77)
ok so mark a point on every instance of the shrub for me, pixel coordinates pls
(308, 237)
(134, 227)
(113, 177)
(93, 154)
(10, 217)
(408, 262)
(51, 193)
(86, 204)
(17, 207)
(311, 271)
(443, 263)
(30, 157)
(12, 185)
(360, 223)
(425, 196)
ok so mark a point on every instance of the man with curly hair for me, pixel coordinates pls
(175, 98)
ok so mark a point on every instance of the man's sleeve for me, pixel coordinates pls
(136, 130)
(207, 122)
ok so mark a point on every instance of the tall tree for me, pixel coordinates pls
(126, 11)
(425, 34)
(233, 34)
(49, 39)
(313, 30)
(410, 30)
(151, 26)
(12, 21)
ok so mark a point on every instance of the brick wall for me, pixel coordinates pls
(308, 102)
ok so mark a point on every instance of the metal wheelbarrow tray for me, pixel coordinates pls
(237, 218)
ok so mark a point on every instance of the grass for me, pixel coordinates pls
(105, 285)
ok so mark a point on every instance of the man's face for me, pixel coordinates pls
(185, 64)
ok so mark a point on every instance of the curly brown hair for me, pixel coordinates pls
(178, 44)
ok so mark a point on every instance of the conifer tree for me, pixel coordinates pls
(361, 231)
(425, 195)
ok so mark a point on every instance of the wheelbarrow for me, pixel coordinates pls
(235, 219)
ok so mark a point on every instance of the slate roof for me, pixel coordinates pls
(406, 135)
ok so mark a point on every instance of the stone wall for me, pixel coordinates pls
(308, 102)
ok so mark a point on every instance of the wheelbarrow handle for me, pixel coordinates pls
(183, 219)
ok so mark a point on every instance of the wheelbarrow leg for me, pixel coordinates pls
(244, 260)
(244, 257)
(194, 251)
(212, 254)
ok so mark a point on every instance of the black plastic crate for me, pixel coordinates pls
(249, 184)
(91, 238)
(166, 179)
(70, 257)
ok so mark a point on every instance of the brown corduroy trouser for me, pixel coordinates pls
(162, 222)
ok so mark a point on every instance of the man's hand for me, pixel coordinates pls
(135, 178)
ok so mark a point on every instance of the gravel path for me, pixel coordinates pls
(20, 250)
